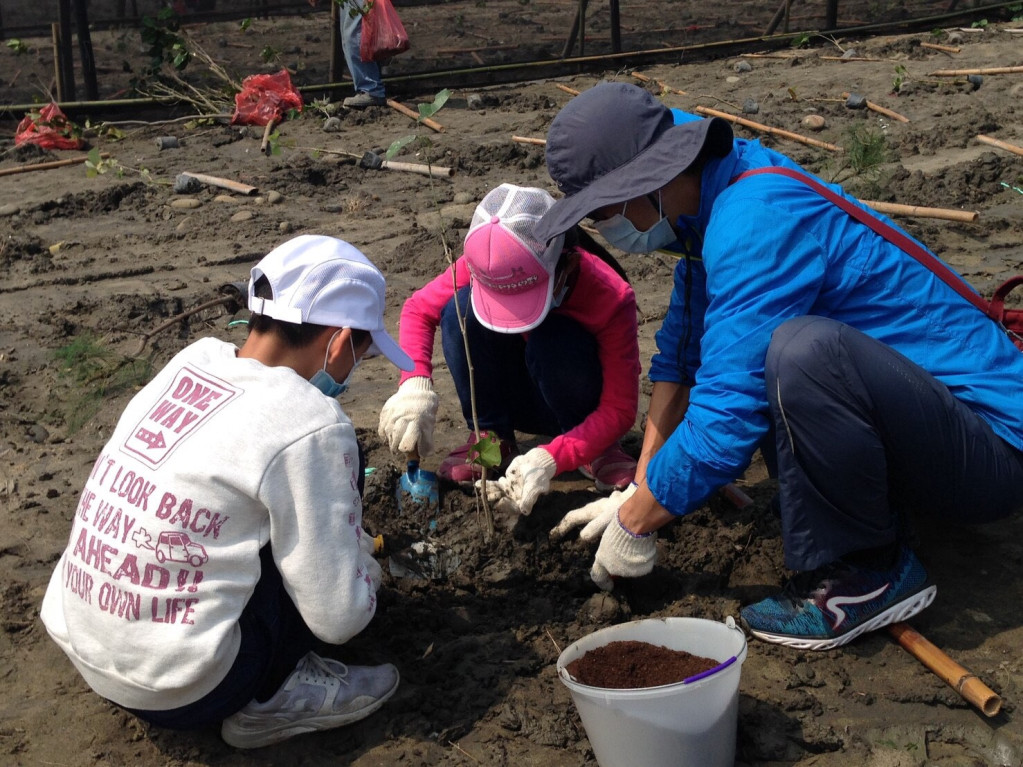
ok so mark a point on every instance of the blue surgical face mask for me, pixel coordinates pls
(623, 234)
(325, 382)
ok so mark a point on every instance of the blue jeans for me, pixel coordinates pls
(863, 435)
(545, 382)
(366, 74)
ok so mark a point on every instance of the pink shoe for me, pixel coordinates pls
(611, 470)
(456, 467)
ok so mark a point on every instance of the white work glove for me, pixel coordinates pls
(594, 515)
(408, 417)
(620, 553)
(527, 478)
(367, 561)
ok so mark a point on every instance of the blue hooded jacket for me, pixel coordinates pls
(767, 249)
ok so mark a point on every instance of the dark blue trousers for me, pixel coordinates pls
(274, 639)
(863, 435)
(546, 381)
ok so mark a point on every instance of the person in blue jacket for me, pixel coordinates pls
(868, 383)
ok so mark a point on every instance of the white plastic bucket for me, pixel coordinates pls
(686, 724)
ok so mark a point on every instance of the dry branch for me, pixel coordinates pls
(768, 129)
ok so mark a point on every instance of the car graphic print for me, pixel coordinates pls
(174, 546)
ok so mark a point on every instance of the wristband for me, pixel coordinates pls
(629, 532)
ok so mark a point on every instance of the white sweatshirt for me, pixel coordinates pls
(214, 458)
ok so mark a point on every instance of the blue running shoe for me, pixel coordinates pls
(834, 604)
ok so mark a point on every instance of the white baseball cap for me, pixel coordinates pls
(326, 281)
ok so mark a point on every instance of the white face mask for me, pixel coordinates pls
(623, 234)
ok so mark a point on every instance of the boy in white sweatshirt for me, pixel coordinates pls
(219, 535)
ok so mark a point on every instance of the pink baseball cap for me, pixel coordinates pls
(512, 271)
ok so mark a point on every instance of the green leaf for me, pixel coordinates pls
(246, 23)
(486, 452)
(429, 110)
(397, 145)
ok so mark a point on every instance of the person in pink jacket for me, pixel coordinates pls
(552, 334)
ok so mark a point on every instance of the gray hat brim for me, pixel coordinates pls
(668, 155)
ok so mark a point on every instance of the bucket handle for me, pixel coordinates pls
(708, 672)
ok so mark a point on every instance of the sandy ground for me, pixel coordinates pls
(93, 265)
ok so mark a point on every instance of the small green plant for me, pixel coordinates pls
(980, 24)
(94, 373)
(899, 79)
(246, 23)
(166, 45)
(97, 165)
(801, 40)
(866, 152)
(269, 54)
(18, 46)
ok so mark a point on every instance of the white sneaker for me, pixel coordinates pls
(320, 694)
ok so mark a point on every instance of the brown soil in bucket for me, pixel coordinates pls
(631, 665)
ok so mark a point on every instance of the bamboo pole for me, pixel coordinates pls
(918, 211)
(851, 58)
(1000, 144)
(958, 678)
(264, 145)
(566, 89)
(988, 71)
(223, 183)
(432, 125)
(942, 48)
(768, 129)
(643, 78)
(528, 140)
(881, 110)
(48, 165)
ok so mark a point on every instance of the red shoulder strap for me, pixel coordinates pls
(894, 236)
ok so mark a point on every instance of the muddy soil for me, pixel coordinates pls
(97, 268)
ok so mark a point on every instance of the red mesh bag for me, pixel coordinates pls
(48, 128)
(383, 34)
(264, 98)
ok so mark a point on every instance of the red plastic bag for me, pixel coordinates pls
(264, 98)
(48, 128)
(383, 35)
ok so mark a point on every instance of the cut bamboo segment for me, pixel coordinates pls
(48, 165)
(643, 78)
(881, 110)
(851, 58)
(222, 183)
(566, 89)
(431, 124)
(1000, 144)
(768, 129)
(988, 71)
(918, 211)
(529, 140)
(942, 48)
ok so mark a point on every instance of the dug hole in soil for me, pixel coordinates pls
(94, 264)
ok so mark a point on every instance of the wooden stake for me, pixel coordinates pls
(881, 110)
(223, 183)
(1000, 144)
(769, 129)
(264, 145)
(895, 209)
(434, 126)
(853, 58)
(662, 84)
(942, 48)
(566, 89)
(989, 71)
(958, 678)
(528, 140)
(48, 165)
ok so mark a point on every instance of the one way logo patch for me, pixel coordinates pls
(191, 399)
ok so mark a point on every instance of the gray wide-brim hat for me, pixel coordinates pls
(615, 142)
